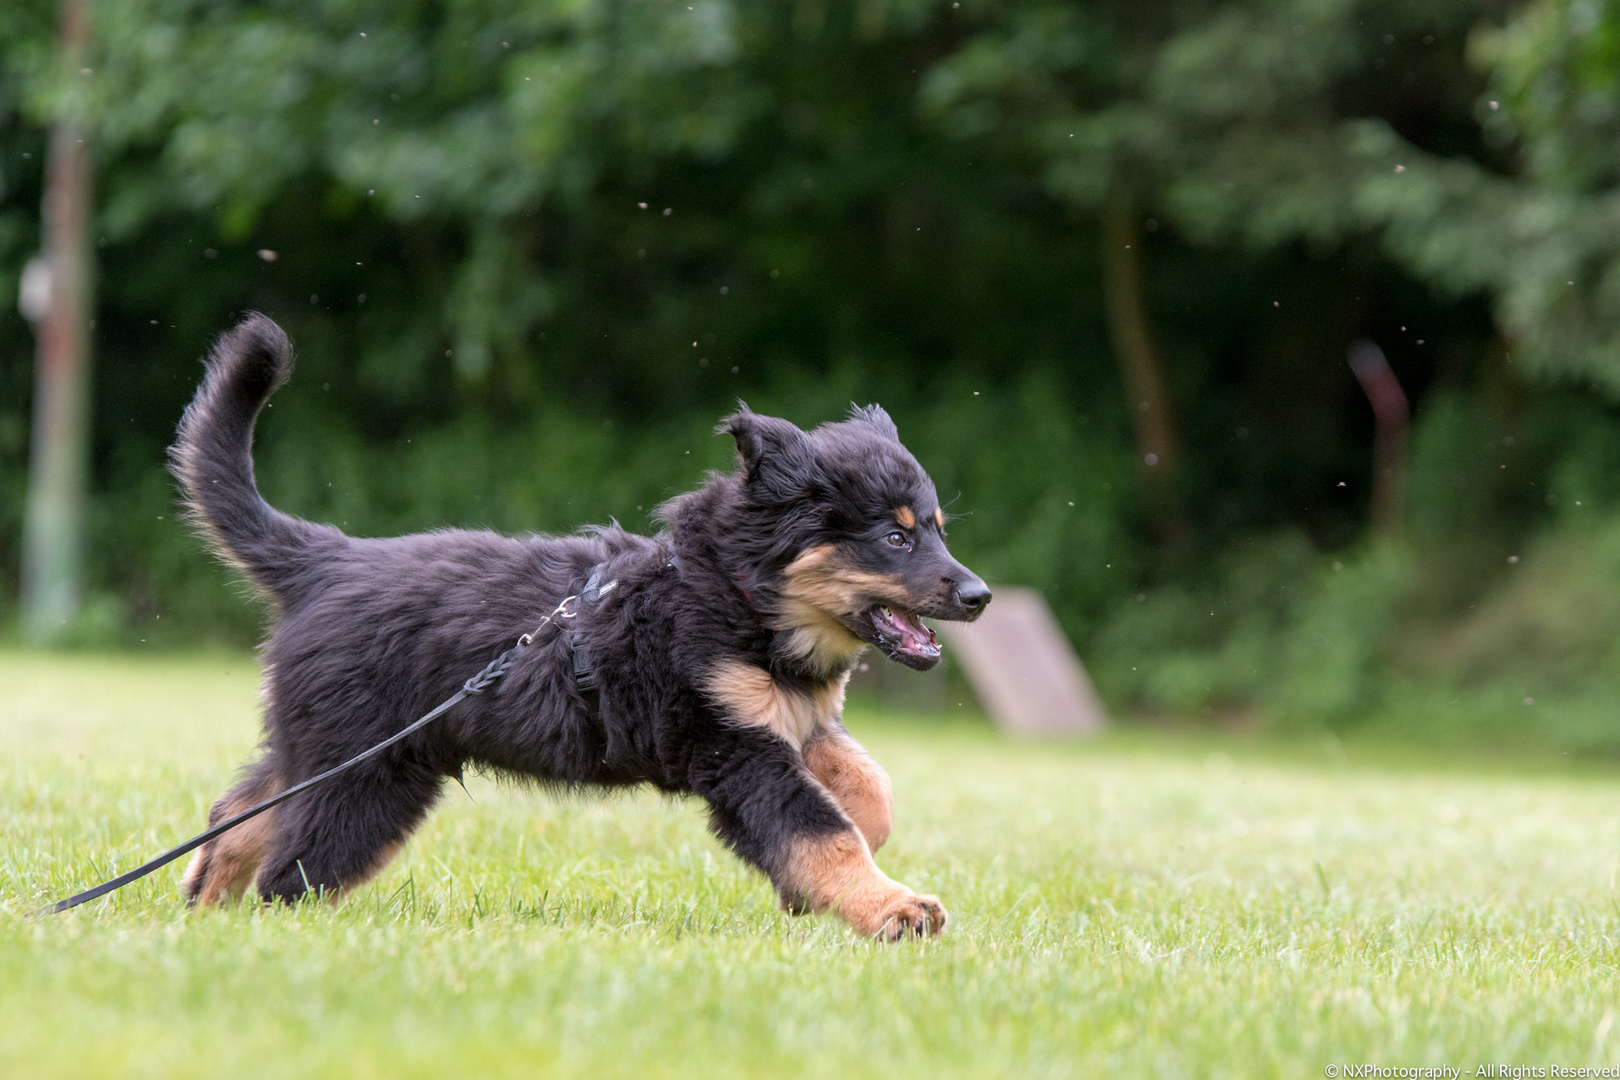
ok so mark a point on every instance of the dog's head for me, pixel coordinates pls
(860, 537)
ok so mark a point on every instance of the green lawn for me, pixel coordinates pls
(1142, 905)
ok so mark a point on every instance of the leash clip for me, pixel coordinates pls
(560, 611)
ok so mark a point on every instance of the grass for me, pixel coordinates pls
(1148, 905)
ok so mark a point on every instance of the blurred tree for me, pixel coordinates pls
(1474, 140)
(53, 549)
(1555, 79)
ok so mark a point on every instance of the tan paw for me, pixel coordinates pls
(909, 915)
(836, 873)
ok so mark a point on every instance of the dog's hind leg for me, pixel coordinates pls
(223, 867)
(342, 834)
(860, 784)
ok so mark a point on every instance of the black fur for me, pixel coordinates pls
(371, 633)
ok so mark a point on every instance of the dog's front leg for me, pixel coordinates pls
(860, 784)
(767, 806)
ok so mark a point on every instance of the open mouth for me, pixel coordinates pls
(903, 638)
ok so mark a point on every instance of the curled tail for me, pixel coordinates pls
(212, 457)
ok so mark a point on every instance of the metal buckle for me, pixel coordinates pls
(560, 611)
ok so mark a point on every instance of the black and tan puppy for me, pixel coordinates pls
(720, 647)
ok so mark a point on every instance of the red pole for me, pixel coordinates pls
(53, 529)
(1141, 363)
(1391, 418)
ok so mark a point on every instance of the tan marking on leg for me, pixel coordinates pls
(196, 870)
(939, 518)
(749, 695)
(860, 784)
(224, 868)
(906, 516)
(836, 873)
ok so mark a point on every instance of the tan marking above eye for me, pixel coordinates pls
(939, 518)
(906, 517)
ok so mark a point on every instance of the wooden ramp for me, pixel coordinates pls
(1023, 669)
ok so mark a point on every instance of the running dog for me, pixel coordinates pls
(710, 659)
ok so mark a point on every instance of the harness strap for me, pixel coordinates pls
(584, 673)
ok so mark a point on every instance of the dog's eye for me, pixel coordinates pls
(895, 539)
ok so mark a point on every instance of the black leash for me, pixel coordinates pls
(475, 685)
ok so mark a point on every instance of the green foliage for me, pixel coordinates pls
(531, 252)
(1490, 171)
(1497, 597)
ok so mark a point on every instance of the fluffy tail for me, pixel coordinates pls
(212, 457)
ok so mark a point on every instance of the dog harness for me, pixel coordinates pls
(584, 674)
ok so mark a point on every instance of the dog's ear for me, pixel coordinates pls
(875, 416)
(777, 458)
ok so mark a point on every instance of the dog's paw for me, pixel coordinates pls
(907, 915)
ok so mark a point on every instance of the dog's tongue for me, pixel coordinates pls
(908, 633)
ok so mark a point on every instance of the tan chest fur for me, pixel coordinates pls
(749, 695)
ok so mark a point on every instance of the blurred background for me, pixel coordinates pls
(1277, 343)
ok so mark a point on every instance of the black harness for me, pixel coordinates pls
(584, 673)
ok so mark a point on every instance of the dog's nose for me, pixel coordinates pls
(973, 595)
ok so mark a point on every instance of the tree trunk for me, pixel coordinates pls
(53, 531)
(1141, 363)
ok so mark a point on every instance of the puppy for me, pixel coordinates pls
(709, 659)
